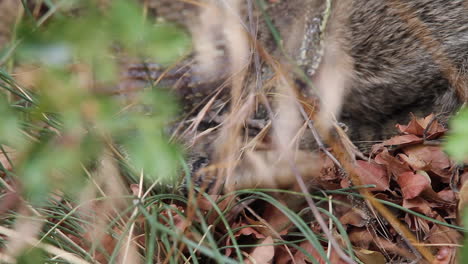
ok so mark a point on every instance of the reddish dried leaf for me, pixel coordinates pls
(433, 157)
(419, 205)
(413, 184)
(419, 126)
(394, 165)
(413, 128)
(403, 140)
(371, 173)
(263, 253)
(413, 161)
(435, 129)
(447, 195)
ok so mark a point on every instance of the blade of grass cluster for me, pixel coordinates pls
(64, 217)
(226, 224)
(342, 230)
(206, 251)
(10, 84)
(159, 199)
(122, 236)
(150, 240)
(295, 219)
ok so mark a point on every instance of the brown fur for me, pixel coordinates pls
(379, 61)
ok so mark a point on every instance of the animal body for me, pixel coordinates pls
(373, 63)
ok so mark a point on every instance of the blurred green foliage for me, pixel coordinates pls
(457, 140)
(64, 126)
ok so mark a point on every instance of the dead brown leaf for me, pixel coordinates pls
(371, 173)
(393, 164)
(403, 140)
(413, 128)
(370, 256)
(429, 158)
(419, 205)
(263, 253)
(419, 126)
(413, 184)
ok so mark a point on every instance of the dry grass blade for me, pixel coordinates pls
(30, 240)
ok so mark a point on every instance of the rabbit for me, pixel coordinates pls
(371, 62)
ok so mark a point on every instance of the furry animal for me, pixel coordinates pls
(373, 62)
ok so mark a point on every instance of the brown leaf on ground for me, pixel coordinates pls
(430, 158)
(370, 256)
(419, 205)
(393, 164)
(432, 126)
(371, 173)
(263, 253)
(447, 195)
(443, 235)
(413, 128)
(413, 184)
(417, 126)
(403, 140)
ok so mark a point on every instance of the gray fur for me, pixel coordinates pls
(390, 72)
